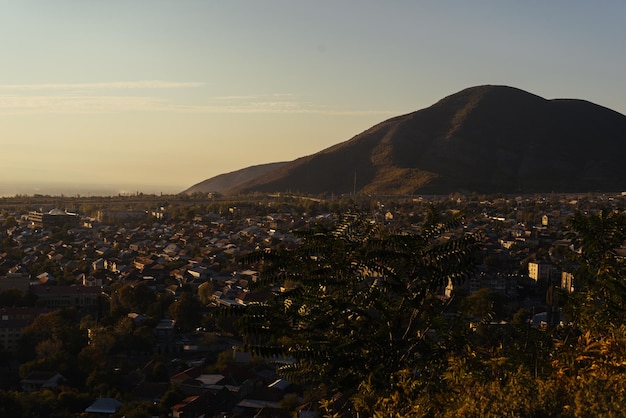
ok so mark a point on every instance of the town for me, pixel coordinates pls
(107, 305)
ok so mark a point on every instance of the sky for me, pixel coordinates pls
(122, 96)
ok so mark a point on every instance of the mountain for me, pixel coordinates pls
(482, 139)
(225, 182)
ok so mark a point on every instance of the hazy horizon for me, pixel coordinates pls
(156, 96)
(70, 189)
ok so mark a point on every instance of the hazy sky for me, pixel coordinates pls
(155, 96)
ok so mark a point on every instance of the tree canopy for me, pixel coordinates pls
(361, 314)
(363, 303)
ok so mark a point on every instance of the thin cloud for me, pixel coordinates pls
(77, 104)
(243, 97)
(94, 104)
(275, 103)
(118, 85)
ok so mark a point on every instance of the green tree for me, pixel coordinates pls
(135, 409)
(159, 372)
(61, 326)
(484, 303)
(601, 301)
(364, 305)
(10, 221)
(136, 297)
(173, 395)
(72, 402)
(591, 373)
(186, 311)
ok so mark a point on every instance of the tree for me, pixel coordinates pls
(136, 409)
(61, 326)
(159, 372)
(186, 311)
(10, 221)
(601, 302)
(484, 303)
(71, 402)
(364, 304)
(136, 297)
(173, 395)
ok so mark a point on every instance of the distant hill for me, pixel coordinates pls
(229, 181)
(483, 139)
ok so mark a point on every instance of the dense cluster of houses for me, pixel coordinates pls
(166, 254)
(77, 267)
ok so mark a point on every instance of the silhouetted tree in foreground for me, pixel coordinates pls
(362, 318)
(363, 304)
(600, 273)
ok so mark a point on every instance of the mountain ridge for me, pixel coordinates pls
(482, 139)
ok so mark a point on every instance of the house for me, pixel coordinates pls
(164, 335)
(247, 297)
(143, 263)
(103, 407)
(540, 270)
(10, 332)
(90, 280)
(55, 217)
(254, 406)
(210, 379)
(40, 380)
(190, 374)
(568, 282)
(201, 272)
(19, 281)
(171, 249)
(65, 296)
(44, 278)
(98, 264)
(250, 275)
(13, 320)
(207, 404)
(504, 284)
(172, 289)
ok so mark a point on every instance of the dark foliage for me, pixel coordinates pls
(361, 303)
